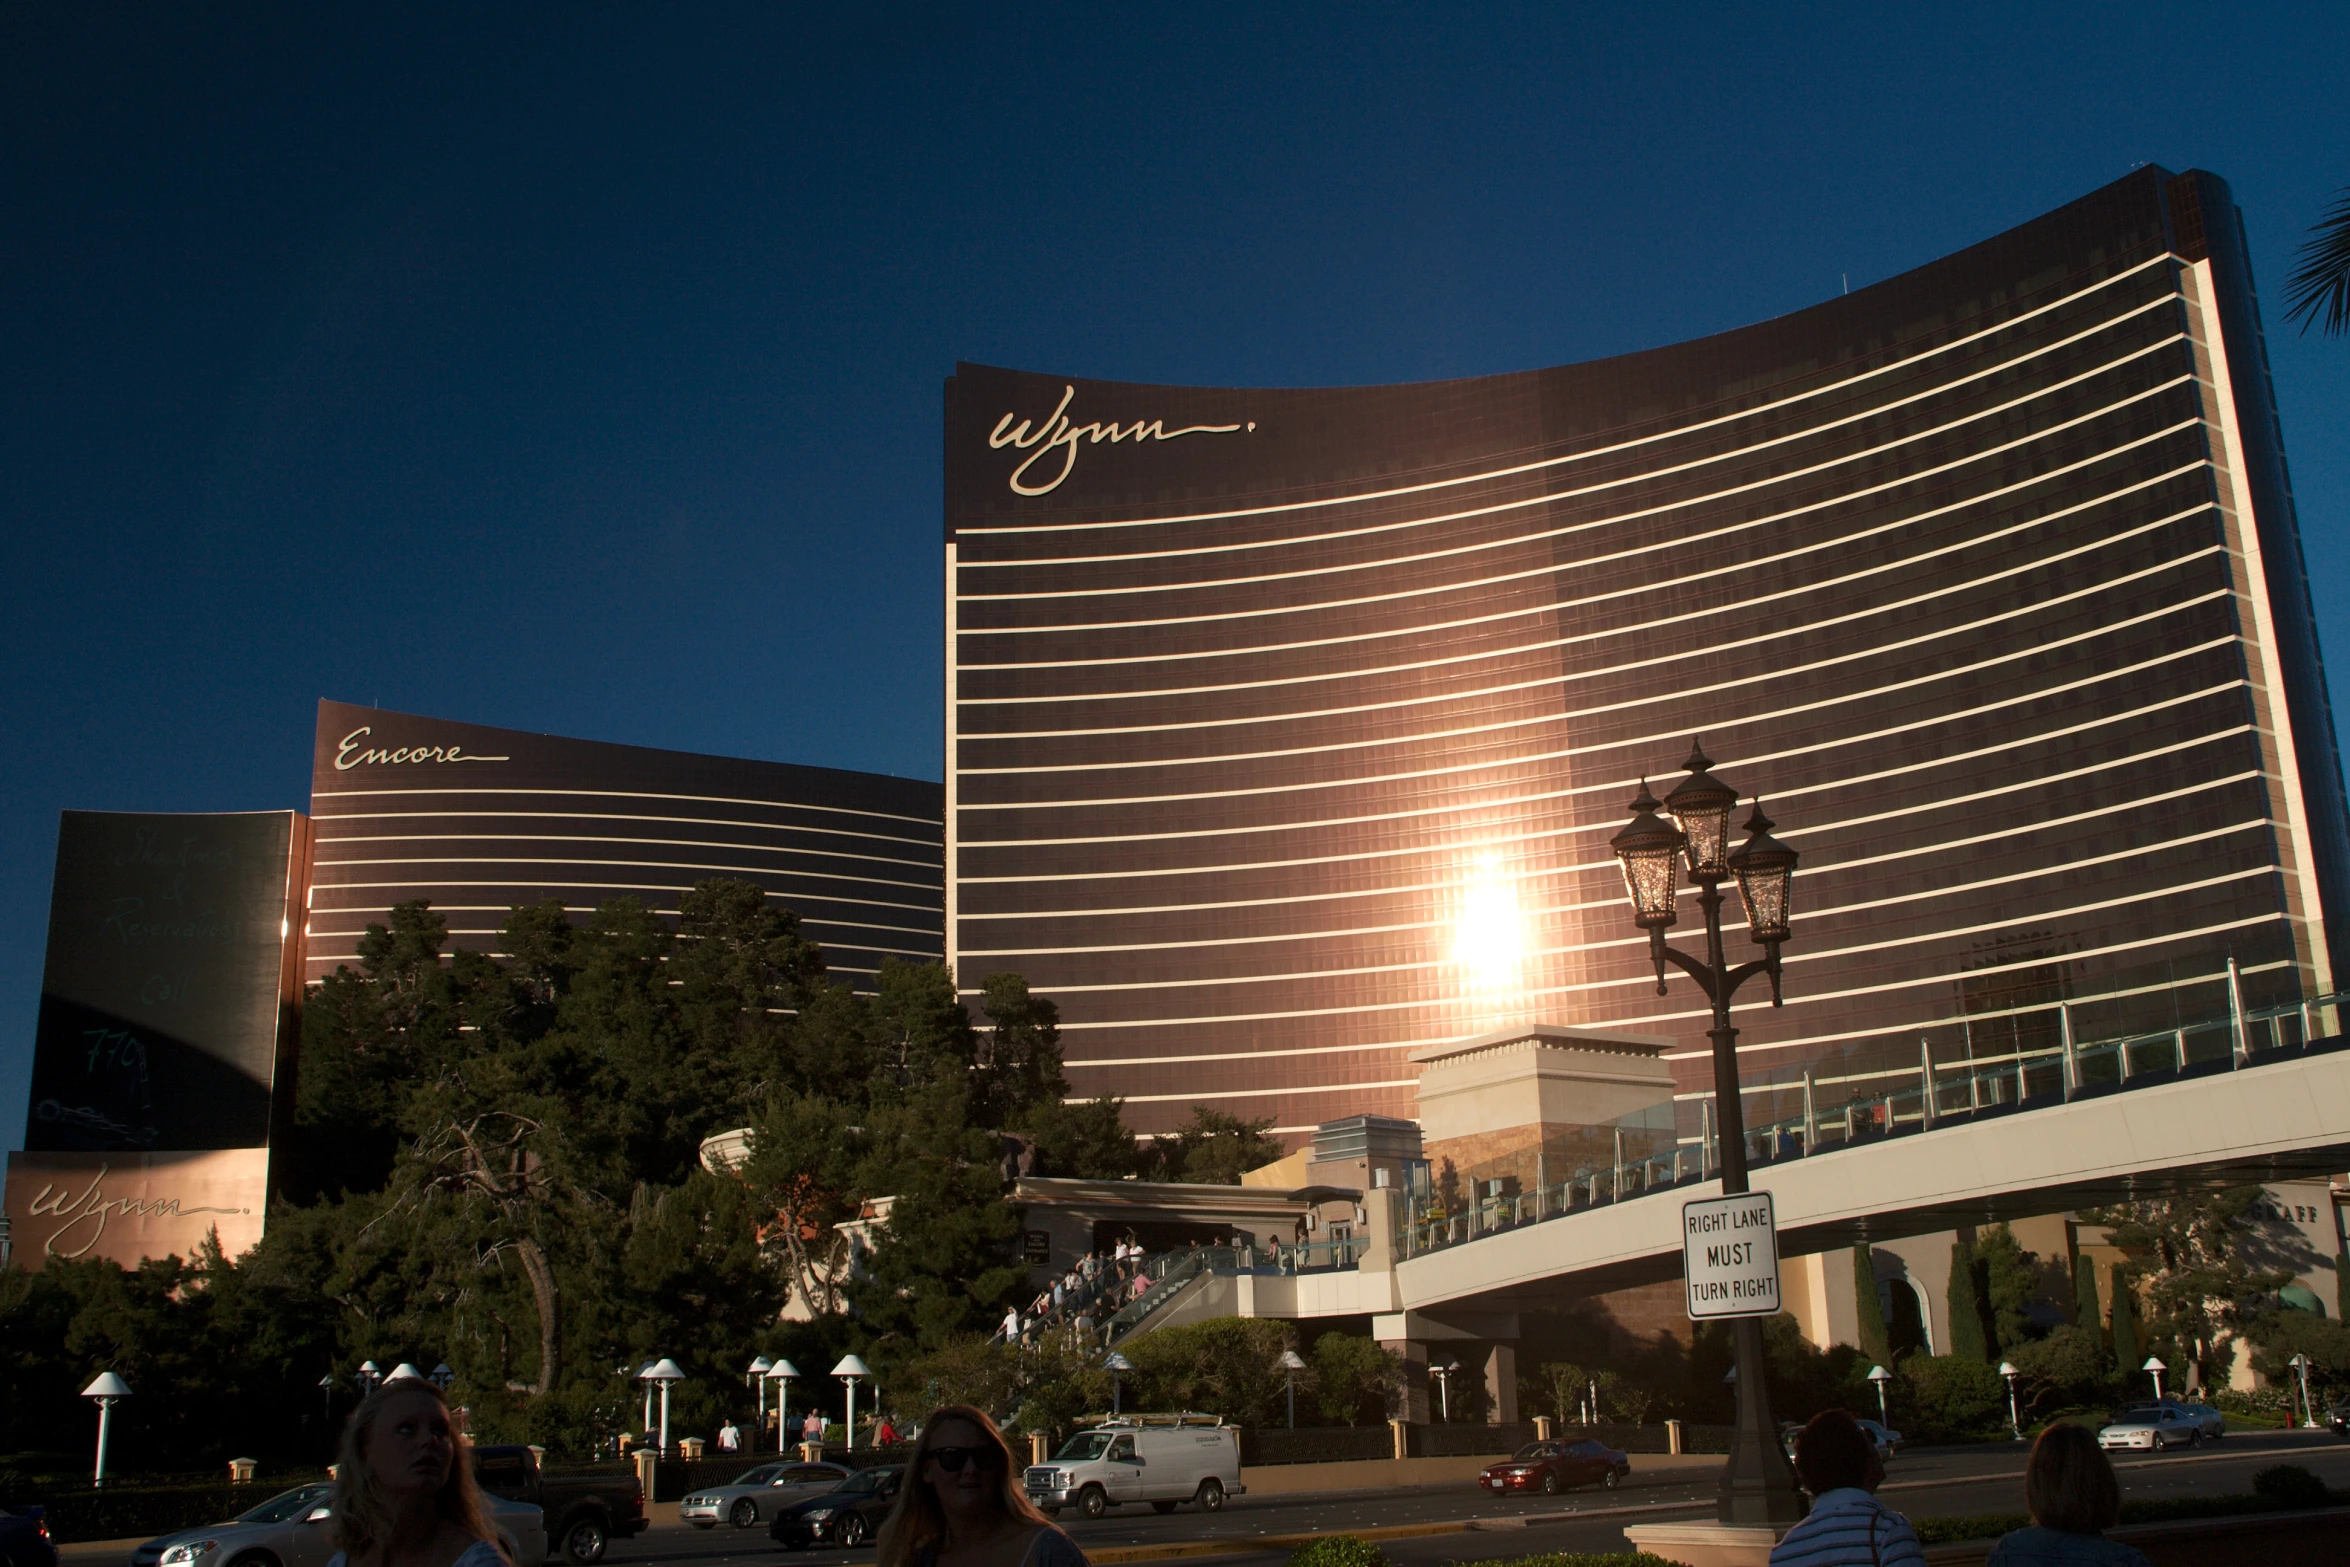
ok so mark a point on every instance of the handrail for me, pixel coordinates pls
(2025, 1079)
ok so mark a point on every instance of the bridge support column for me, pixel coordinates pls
(1411, 1397)
(1501, 1384)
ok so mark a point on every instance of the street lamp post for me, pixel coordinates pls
(105, 1390)
(1117, 1365)
(1290, 1366)
(781, 1374)
(663, 1374)
(369, 1377)
(2157, 1368)
(2015, 1422)
(1444, 1375)
(2300, 1365)
(326, 1386)
(443, 1377)
(849, 1370)
(1758, 1483)
(757, 1377)
(1880, 1376)
(405, 1371)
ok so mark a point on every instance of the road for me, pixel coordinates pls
(1925, 1483)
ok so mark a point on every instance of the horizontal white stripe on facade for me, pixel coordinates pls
(1194, 983)
(810, 922)
(1661, 738)
(1650, 627)
(1439, 518)
(745, 822)
(612, 838)
(1641, 942)
(1843, 497)
(1682, 693)
(317, 794)
(2006, 324)
(1548, 644)
(1505, 804)
(2017, 786)
(484, 860)
(417, 884)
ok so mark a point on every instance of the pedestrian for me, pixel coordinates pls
(962, 1503)
(812, 1428)
(1848, 1526)
(885, 1434)
(2073, 1496)
(1011, 1329)
(730, 1438)
(404, 1494)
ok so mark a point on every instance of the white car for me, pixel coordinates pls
(289, 1530)
(759, 1494)
(2150, 1428)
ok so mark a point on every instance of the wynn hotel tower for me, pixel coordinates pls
(1286, 729)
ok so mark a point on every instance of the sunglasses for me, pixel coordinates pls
(952, 1459)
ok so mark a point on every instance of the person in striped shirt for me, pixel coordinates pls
(1847, 1526)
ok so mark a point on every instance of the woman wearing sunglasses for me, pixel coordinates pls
(961, 1504)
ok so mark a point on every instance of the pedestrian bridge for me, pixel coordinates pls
(2254, 1116)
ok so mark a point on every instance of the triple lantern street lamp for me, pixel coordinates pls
(1693, 832)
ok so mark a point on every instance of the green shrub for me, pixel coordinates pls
(2290, 1485)
(1338, 1550)
(1981, 1526)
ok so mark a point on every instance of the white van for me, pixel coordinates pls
(1163, 1462)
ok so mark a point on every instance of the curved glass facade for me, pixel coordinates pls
(1287, 728)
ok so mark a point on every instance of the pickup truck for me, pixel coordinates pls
(584, 1513)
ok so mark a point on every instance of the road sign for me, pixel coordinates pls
(1730, 1256)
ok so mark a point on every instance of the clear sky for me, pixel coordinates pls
(578, 368)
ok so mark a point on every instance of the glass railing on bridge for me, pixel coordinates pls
(2023, 1058)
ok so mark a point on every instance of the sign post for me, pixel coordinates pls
(1730, 1256)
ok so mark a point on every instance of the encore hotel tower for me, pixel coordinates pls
(1286, 729)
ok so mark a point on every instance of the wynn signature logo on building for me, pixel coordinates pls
(1059, 434)
(92, 1210)
(351, 753)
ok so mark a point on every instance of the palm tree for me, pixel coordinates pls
(2322, 282)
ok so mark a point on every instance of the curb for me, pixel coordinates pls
(1252, 1545)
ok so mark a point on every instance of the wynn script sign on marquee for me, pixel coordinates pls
(1730, 1255)
(1060, 434)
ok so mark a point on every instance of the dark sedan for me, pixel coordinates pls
(24, 1538)
(1552, 1467)
(845, 1517)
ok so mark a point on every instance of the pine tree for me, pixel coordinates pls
(2126, 1356)
(1967, 1337)
(1876, 1345)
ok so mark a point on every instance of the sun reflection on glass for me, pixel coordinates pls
(1490, 941)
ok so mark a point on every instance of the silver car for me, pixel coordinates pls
(2150, 1428)
(757, 1494)
(289, 1530)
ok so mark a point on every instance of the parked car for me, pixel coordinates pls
(2338, 1416)
(2214, 1425)
(2152, 1427)
(24, 1538)
(1135, 1461)
(584, 1513)
(755, 1494)
(289, 1530)
(1552, 1467)
(847, 1515)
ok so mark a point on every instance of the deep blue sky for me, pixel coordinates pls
(578, 369)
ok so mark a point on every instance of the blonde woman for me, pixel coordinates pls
(961, 1505)
(404, 1492)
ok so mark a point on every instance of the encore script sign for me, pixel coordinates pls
(1058, 434)
(351, 753)
(89, 1212)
